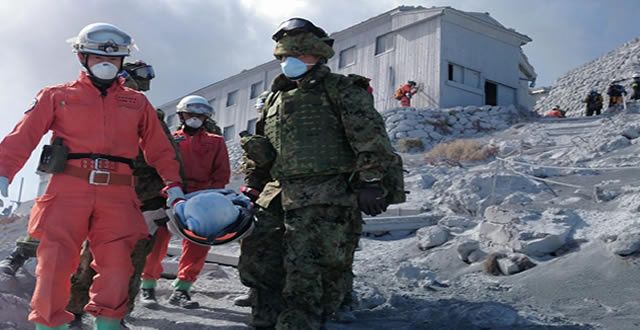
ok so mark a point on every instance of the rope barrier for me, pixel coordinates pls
(569, 167)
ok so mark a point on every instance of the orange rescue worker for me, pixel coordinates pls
(206, 166)
(406, 92)
(97, 126)
(556, 112)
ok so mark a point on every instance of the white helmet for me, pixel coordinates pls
(212, 217)
(195, 104)
(102, 39)
(261, 99)
(636, 75)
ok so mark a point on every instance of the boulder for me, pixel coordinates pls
(429, 237)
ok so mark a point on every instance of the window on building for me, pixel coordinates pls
(256, 89)
(229, 132)
(347, 57)
(251, 126)
(384, 43)
(232, 98)
(471, 78)
(456, 73)
(462, 75)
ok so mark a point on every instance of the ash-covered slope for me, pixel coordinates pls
(570, 89)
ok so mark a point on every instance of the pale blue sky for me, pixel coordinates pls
(194, 43)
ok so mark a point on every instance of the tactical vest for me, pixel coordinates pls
(306, 131)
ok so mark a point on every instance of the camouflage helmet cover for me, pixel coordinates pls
(303, 44)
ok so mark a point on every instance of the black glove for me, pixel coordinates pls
(371, 199)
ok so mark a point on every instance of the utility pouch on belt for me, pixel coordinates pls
(258, 149)
(53, 157)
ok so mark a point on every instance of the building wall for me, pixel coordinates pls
(414, 56)
(367, 63)
(424, 43)
(494, 56)
(417, 58)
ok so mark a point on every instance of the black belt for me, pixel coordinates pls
(101, 156)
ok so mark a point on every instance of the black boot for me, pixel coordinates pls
(13, 262)
(183, 299)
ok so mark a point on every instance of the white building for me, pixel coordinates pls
(456, 57)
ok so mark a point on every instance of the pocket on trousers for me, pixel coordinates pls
(39, 213)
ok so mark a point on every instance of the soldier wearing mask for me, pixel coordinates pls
(318, 158)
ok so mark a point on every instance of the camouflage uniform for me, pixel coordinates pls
(308, 157)
(148, 187)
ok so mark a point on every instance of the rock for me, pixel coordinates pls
(435, 136)
(401, 135)
(485, 125)
(396, 118)
(369, 297)
(631, 132)
(427, 181)
(507, 266)
(527, 231)
(465, 248)
(627, 243)
(491, 265)
(522, 261)
(417, 133)
(500, 215)
(456, 224)
(601, 194)
(616, 143)
(429, 237)
(476, 256)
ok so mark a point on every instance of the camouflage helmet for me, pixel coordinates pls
(303, 44)
(138, 75)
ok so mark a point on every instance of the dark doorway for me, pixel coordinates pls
(490, 93)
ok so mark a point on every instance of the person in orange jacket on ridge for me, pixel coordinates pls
(98, 125)
(206, 166)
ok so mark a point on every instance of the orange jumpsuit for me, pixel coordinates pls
(72, 209)
(206, 166)
(555, 114)
(407, 91)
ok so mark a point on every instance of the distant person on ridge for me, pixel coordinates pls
(635, 86)
(594, 103)
(616, 92)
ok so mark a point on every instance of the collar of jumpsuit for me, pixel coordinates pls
(314, 75)
(85, 78)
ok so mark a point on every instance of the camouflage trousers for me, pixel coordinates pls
(83, 278)
(298, 263)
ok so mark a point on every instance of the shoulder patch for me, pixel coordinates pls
(32, 105)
